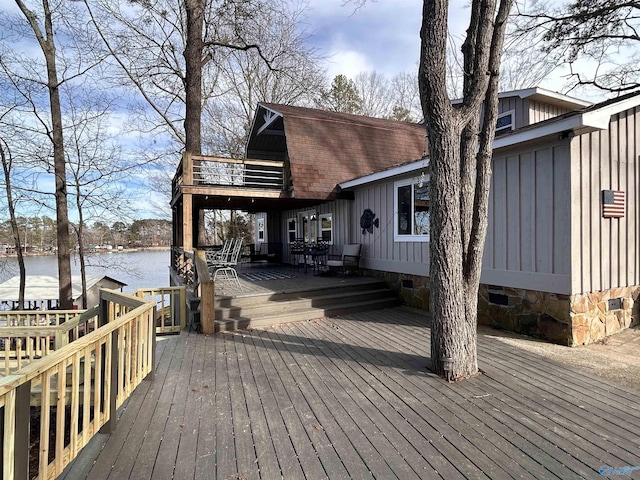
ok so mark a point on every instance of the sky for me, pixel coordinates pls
(384, 35)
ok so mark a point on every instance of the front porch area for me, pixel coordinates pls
(350, 397)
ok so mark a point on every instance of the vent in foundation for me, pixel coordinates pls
(615, 304)
(498, 299)
(407, 283)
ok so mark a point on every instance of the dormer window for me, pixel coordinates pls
(505, 123)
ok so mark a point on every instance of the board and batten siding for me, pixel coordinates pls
(606, 251)
(379, 250)
(340, 211)
(539, 111)
(528, 236)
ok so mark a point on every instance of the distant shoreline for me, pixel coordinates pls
(89, 252)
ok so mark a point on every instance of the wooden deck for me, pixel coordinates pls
(350, 398)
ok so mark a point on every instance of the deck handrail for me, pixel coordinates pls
(111, 361)
(171, 307)
(229, 172)
(27, 336)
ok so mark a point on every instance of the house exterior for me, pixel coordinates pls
(558, 263)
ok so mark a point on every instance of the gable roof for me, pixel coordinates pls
(325, 148)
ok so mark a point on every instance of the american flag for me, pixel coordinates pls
(612, 203)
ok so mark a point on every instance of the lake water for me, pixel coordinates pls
(142, 269)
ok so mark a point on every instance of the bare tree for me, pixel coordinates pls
(95, 164)
(460, 153)
(603, 33)
(41, 22)
(7, 165)
(165, 48)
(405, 98)
(293, 76)
(374, 92)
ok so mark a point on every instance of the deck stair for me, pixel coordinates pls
(234, 313)
(241, 312)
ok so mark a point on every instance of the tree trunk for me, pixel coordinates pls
(6, 167)
(193, 90)
(46, 42)
(453, 331)
(460, 152)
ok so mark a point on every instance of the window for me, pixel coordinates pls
(292, 228)
(326, 227)
(261, 230)
(411, 211)
(309, 222)
(505, 123)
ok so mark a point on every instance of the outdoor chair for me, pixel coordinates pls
(348, 261)
(226, 267)
(318, 253)
(297, 249)
(214, 257)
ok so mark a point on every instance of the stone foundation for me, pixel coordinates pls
(413, 290)
(564, 319)
(537, 314)
(592, 316)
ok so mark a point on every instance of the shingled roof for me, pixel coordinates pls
(326, 148)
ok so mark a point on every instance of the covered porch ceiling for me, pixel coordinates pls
(250, 203)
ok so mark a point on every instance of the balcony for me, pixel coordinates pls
(228, 176)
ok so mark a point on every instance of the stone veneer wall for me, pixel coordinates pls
(415, 296)
(591, 319)
(565, 319)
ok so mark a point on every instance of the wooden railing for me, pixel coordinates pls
(183, 264)
(229, 172)
(78, 387)
(26, 336)
(171, 307)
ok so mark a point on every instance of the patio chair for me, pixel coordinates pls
(226, 267)
(348, 261)
(297, 249)
(318, 253)
(214, 257)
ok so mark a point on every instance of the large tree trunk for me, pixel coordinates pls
(460, 152)
(47, 44)
(193, 90)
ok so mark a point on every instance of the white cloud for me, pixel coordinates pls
(346, 62)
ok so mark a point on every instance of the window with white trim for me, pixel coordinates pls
(326, 227)
(292, 229)
(505, 122)
(411, 210)
(261, 230)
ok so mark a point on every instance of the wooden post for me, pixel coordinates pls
(207, 293)
(111, 379)
(207, 306)
(23, 417)
(187, 169)
(187, 222)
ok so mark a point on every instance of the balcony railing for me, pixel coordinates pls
(229, 172)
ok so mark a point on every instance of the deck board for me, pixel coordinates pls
(350, 398)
